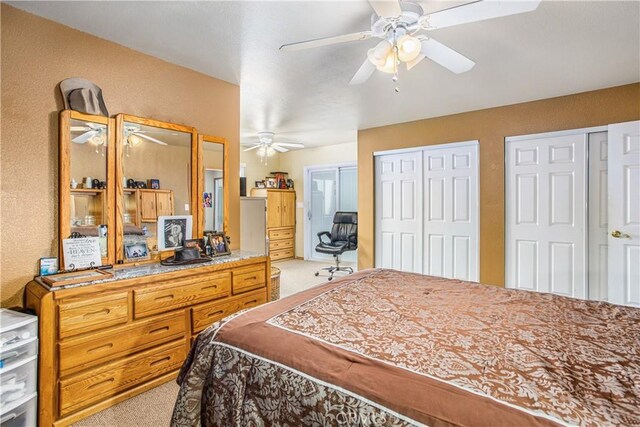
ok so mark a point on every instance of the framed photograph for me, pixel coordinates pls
(195, 243)
(206, 200)
(173, 231)
(48, 265)
(81, 253)
(272, 183)
(218, 243)
(153, 184)
(136, 251)
(260, 184)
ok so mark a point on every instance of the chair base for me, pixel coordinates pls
(334, 268)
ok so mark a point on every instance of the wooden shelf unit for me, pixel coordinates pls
(281, 221)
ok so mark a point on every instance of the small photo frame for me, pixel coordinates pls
(206, 200)
(134, 251)
(260, 184)
(48, 265)
(271, 183)
(218, 243)
(153, 184)
(195, 243)
(173, 231)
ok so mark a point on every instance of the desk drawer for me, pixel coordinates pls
(287, 233)
(274, 245)
(83, 390)
(281, 254)
(78, 317)
(181, 294)
(102, 347)
(206, 314)
(248, 278)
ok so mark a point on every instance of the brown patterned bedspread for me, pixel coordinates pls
(382, 347)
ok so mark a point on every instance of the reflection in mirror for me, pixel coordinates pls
(156, 171)
(213, 195)
(88, 180)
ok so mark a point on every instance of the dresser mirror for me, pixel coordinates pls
(154, 179)
(213, 186)
(87, 180)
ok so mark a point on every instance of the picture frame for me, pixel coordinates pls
(153, 184)
(136, 251)
(219, 244)
(173, 231)
(195, 243)
(260, 184)
(271, 183)
(70, 278)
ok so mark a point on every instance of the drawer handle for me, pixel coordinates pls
(11, 416)
(104, 311)
(250, 302)
(165, 297)
(157, 362)
(215, 313)
(251, 278)
(209, 287)
(107, 381)
(102, 347)
(156, 331)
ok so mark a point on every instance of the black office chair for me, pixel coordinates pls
(342, 238)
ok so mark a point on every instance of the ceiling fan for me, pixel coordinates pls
(401, 25)
(267, 147)
(90, 131)
(133, 133)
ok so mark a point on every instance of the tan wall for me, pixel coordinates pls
(490, 127)
(294, 162)
(255, 169)
(36, 55)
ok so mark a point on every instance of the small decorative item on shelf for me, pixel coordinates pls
(260, 184)
(195, 243)
(87, 182)
(153, 184)
(136, 251)
(173, 231)
(131, 183)
(48, 265)
(219, 244)
(74, 184)
(81, 252)
(271, 182)
(290, 183)
(140, 184)
(95, 183)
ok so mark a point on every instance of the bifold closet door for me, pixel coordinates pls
(451, 212)
(624, 214)
(398, 192)
(545, 214)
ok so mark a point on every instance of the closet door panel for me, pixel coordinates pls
(598, 264)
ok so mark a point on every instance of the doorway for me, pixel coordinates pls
(328, 189)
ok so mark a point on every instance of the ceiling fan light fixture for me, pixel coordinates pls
(390, 65)
(408, 48)
(133, 140)
(379, 54)
(99, 139)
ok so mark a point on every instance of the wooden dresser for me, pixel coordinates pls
(281, 221)
(103, 342)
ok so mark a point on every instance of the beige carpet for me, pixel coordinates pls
(154, 408)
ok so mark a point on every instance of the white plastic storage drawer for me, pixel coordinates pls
(15, 354)
(18, 382)
(16, 327)
(24, 414)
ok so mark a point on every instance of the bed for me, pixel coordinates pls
(387, 348)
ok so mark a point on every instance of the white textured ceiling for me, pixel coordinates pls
(561, 48)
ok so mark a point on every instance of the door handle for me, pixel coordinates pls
(619, 235)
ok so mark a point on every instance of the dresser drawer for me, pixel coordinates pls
(206, 314)
(274, 245)
(287, 233)
(102, 347)
(78, 317)
(281, 254)
(248, 278)
(101, 383)
(181, 294)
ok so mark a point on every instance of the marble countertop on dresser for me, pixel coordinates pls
(122, 273)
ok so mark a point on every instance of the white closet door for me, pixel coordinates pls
(546, 219)
(598, 216)
(624, 213)
(398, 234)
(451, 212)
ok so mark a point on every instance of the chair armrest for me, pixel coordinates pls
(324, 233)
(353, 240)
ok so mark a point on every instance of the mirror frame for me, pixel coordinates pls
(119, 159)
(202, 139)
(64, 179)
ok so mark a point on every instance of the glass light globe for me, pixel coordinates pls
(408, 48)
(389, 64)
(378, 54)
(134, 140)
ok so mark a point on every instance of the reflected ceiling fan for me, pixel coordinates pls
(402, 27)
(267, 147)
(93, 133)
(133, 134)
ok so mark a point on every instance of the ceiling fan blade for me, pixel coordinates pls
(278, 148)
(157, 141)
(308, 44)
(445, 56)
(80, 128)
(81, 139)
(386, 8)
(363, 73)
(253, 148)
(290, 144)
(478, 11)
